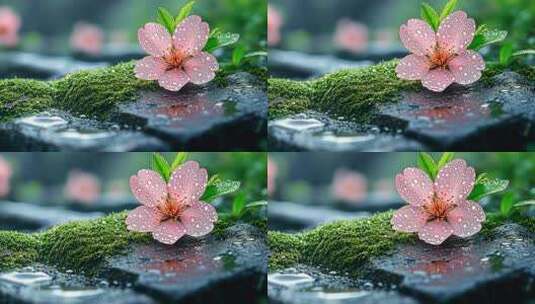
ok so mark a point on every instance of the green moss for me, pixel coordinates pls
(19, 97)
(84, 245)
(95, 92)
(287, 97)
(494, 220)
(285, 250)
(17, 249)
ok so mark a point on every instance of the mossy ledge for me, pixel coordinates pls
(24, 96)
(346, 246)
(354, 93)
(82, 246)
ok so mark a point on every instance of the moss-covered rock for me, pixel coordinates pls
(17, 249)
(285, 250)
(19, 97)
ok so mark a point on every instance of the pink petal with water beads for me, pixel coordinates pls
(435, 232)
(409, 219)
(454, 182)
(438, 80)
(413, 67)
(418, 37)
(463, 222)
(467, 67)
(154, 39)
(196, 222)
(414, 186)
(191, 35)
(143, 219)
(475, 209)
(201, 68)
(188, 182)
(206, 209)
(169, 232)
(149, 188)
(173, 80)
(456, 33)
(150, 68)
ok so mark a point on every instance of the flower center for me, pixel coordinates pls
(439, 58)
(173, 209)
(174, 58)
(438, 209)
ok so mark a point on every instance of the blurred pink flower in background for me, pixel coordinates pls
(172, 210)
(87, 38)
(385, 38)
(440, 209)
(274, 26)
(175, 61)
(5, 175)
(82, 187)
(442, 58)
(9, 27)
(351, 36)
(349, 186)
(271, 176)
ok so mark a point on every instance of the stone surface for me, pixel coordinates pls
(474, 117)
(203, 270)
(113, 55)
(313, 131)
(56, 130)
(206, 117)
(30, 217)
(473, 270)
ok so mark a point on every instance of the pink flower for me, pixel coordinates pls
(5, 175)
(351, 36)
(440, 59)
(271, 176)
(87, 38)
(349, 186)
(440, 209)
(274, 25)
(9, 27)
(175, 61)
(82, 187)
(171, 210)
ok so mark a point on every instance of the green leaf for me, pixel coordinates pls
(160, 165)
(238, 205)
(219, 189)
(213, 180)
(430, 16)
(486, 187)
(506, 52)
(523, 53)
(256, 204)
(166, 19)
(184, 12)
(446, 158)
(487, 37)
(427, 164)
(220, 40)
(481, 177)
(525, 203)
(448, 9)
(238, 54)
(180, 158)
(506, 204)
(256, 54)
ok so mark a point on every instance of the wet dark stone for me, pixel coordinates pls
(30, 217)
(476, 117)
(208, 270)
(56, 130)
(479, 269)
(312, 131)
(206, 117)
(375, 54)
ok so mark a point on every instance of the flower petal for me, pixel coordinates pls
(191, 35)
(149, 188)
(456, 32)
(201, 68)
(154, 39)
(169, 232)
(188, 182)
(438, 80)
(143, 219)
(196, 222)
(414, 186)
(173, 80)
(467, 67)
(455, 181)
(463, 221)
(413, 67)
(409, 219)
(475, 208)
(418, 37)
(207, 210)
(435, 232)
(150, 68)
